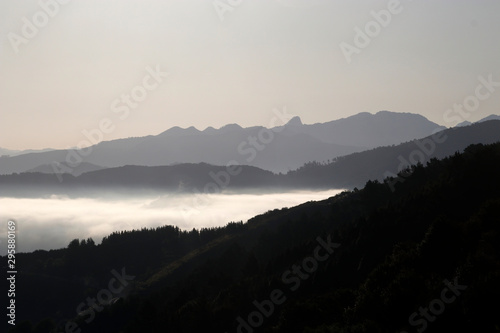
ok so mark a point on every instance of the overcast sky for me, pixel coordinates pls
(234, 64)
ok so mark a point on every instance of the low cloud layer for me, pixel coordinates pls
(53, 222)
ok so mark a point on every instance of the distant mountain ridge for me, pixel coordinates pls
(349, 171)
(361, 130)
(11, 152)
(77, 171)
(370, 130)
(490, 117)
(376, 164)
(279, 149)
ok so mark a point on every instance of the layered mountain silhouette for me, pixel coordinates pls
(368, 130)
(349, 171)
(279, 149)
(490, 117)
(75, 171)
(10, 152)
(376, 164)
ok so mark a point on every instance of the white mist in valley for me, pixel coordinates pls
(51, 223)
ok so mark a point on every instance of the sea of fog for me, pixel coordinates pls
(51, 223)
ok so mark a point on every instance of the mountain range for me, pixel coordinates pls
(278, 149)
(467, 123)
(349, 171)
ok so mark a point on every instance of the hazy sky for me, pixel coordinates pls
(65, 71)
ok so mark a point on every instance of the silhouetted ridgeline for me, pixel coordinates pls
(281, 149)
(423, 256)
(344, 172)
(356, 169)
(82, 167)
(133, 179)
